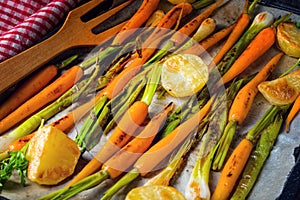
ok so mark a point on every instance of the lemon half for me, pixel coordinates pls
(184, 75)
(154, 192)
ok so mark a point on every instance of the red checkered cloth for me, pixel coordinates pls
(24, 22)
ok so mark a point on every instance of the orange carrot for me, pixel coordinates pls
(140, 17)
(244, 99)
(158, 152)
(238, 30)
(64, 124)
(198, 49)
(48, 94)
(295, 109)
(258, 46)
(125, 157)
(131, 120)
(232, 170)
(29, 88)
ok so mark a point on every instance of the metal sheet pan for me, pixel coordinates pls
(275, 170)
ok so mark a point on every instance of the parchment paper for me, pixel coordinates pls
(275, 170)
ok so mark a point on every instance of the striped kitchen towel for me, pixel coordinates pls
(24, 22)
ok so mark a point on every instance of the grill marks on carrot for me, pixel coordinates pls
(232, 169)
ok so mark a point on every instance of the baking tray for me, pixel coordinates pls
(290, 6)
(276, 168)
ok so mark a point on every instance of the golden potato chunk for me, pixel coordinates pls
(288, 38)
(281, 91)
(52, 156)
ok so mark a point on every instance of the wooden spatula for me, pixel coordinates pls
(74, 32)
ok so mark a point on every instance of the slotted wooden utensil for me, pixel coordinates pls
(73, 33)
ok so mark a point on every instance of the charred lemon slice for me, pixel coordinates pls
(154, 192)
(283, 90)
(184, 75)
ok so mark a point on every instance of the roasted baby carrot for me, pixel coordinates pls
(257, 159)
(241, 24)
(295, 109)
(29, 88)
(232, 170)
(141, 16)
(237, 160)
(124, 131)
(48, 94)
(258, 46)
(166, 145)
(244, 99)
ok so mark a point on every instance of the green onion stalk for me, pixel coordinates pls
(258, 157)
(16, 161)
(100, 176)
(198, 185)
(164, 177)
(93, 126)
(64, 101)
(230, 130)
